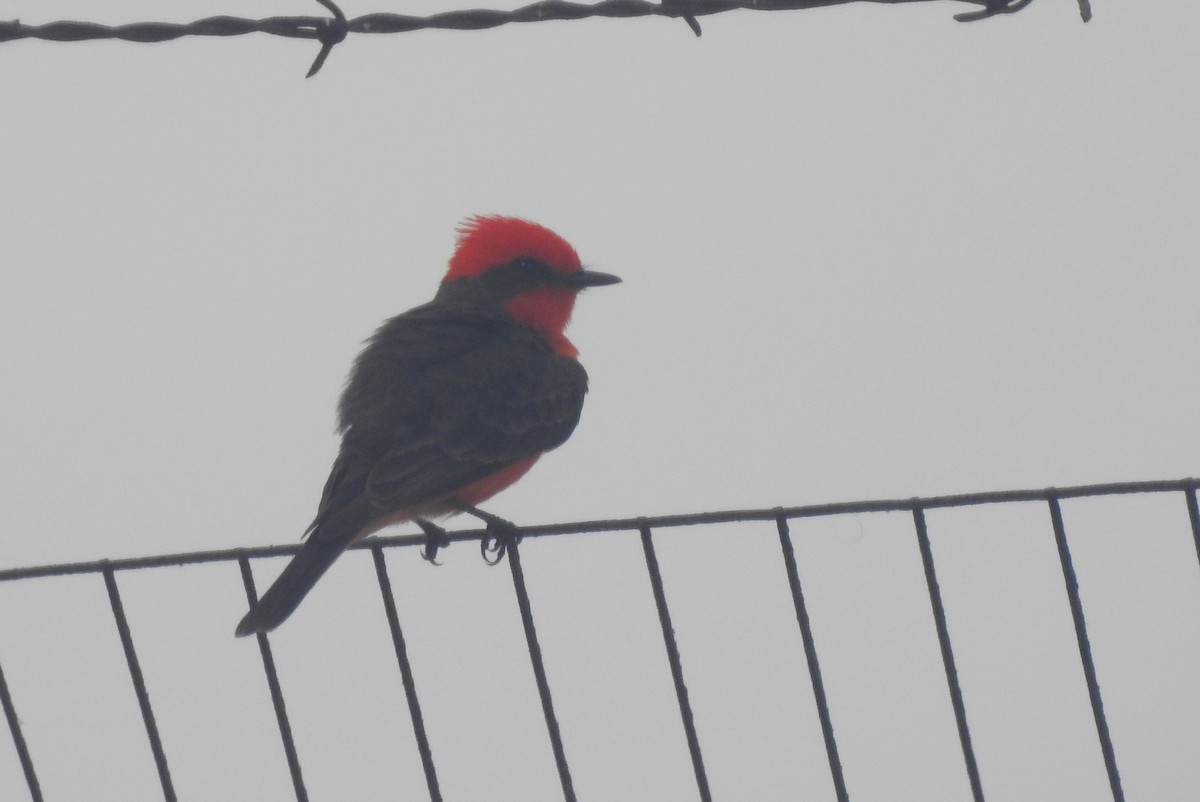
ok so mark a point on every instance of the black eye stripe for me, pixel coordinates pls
(512, 278)
(532, 272)
(533, 267)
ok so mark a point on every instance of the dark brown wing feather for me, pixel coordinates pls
(440, 397)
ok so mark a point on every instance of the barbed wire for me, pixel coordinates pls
(334, 29)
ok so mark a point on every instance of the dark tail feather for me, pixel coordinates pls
(283, 597)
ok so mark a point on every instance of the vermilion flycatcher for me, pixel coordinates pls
(451, 402)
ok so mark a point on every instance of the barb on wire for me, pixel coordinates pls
(330, 34)
(993, 7)
(334, 29)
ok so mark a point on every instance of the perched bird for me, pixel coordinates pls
(450, 402)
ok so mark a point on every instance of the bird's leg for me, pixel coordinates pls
(435, 538)
(492, 521)
(499, 534)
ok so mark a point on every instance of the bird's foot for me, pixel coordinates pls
(500, 534)
(495, 543)
(435, 538)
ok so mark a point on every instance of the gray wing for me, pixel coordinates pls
(436, 401)
(440, 400)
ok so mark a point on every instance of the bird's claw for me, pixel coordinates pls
(499, 536)
(435, 539)
(495, 543)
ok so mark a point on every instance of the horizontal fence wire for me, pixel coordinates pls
(507, 545)
(632, 525)
(334, 29)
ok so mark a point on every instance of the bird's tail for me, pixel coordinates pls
(285, 595)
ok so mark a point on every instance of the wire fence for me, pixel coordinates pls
(334, 29)
(645, 528)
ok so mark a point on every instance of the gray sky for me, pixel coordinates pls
(868, 252)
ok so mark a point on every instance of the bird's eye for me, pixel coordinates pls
(533, 270)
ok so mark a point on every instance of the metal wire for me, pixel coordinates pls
(281, 716)
(1194, 517)
(139, 685)
(632, 524)
(943, 633)
(810, 654)
(644, 526)
(406, 677)
(332, 30)
(1085, 651)
(539, 667)
(14, 727)
(668, 631)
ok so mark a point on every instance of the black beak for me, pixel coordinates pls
(588, 278)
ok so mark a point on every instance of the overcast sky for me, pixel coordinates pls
(868, 252)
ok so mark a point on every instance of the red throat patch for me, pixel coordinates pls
(548, 310)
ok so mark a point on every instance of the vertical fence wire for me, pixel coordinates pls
(281, 716)
(139, 684)
(943, 633)
(410, 688)
(1194, 517)
(810, 654)
(14, 727)
(681, 693)
(1085, 650)
(539, 669)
